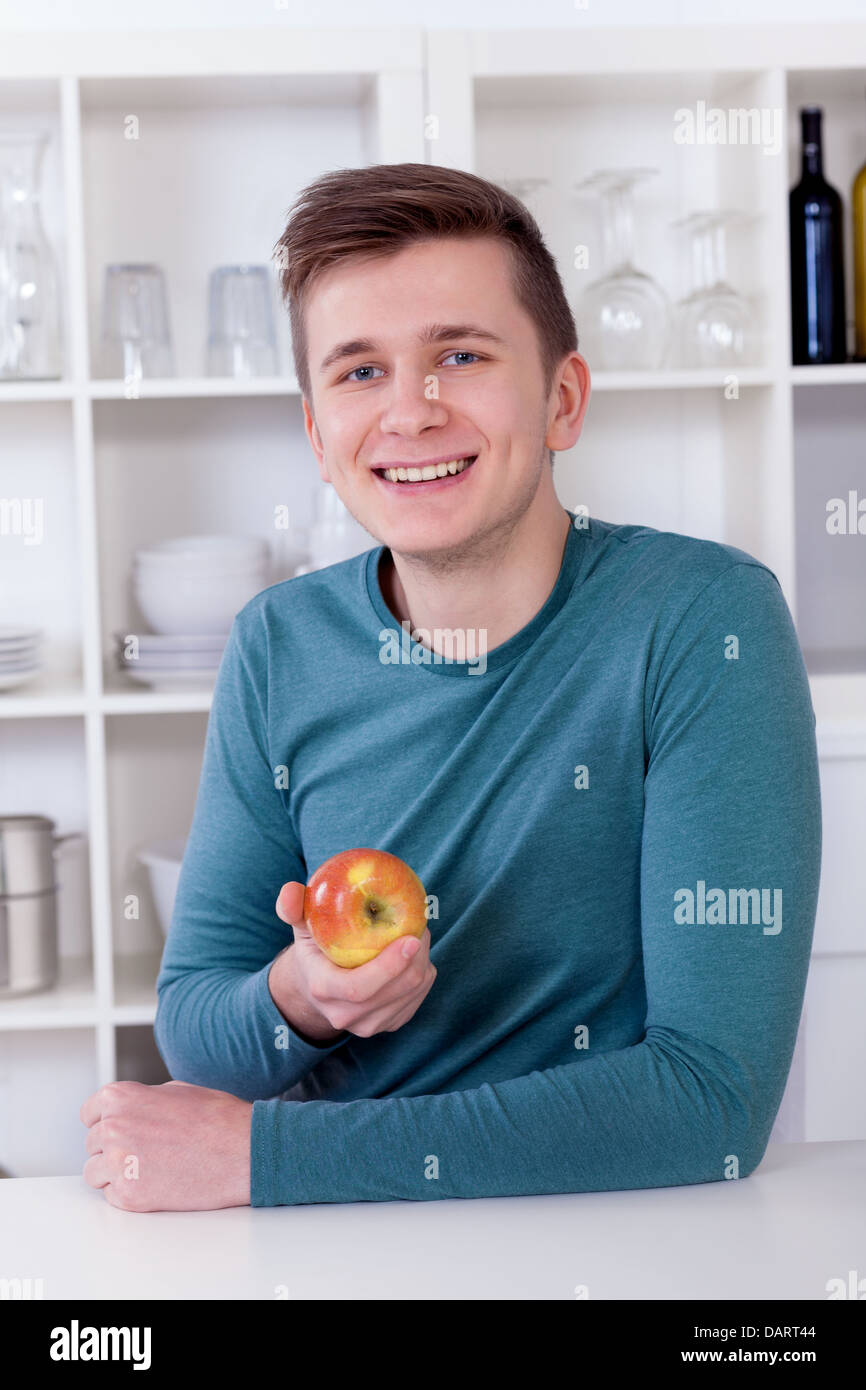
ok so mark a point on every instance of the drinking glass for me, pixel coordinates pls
(136, 337)
(242, 338)
(625, 316)
(715, 325)
(30, 331)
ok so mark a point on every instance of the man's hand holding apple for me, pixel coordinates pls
(322, 1000)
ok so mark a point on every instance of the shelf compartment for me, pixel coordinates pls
(841, 94)
(829, 429)
(180, 467)
(563, 127)
(39, 546)
(159, 757)
(186, 195)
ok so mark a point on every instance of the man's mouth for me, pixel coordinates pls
(428, 477)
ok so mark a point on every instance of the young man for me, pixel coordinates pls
(610, 792)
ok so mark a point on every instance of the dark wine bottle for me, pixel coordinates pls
(817, 267)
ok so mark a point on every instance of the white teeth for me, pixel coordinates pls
(426, 474)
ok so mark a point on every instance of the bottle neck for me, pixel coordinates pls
(813, 164)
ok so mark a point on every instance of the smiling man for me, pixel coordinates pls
(616, 817)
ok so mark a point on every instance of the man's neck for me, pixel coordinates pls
(499, 592)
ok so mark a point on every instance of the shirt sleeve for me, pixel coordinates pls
(731, 802)
(216, 1022)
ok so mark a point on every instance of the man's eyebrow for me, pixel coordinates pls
(430, 333)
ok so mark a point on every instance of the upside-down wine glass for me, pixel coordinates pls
(625, 316)
(715, 324)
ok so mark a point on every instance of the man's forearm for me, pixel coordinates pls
(306, 1020)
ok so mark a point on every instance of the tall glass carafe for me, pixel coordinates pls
(30, 332)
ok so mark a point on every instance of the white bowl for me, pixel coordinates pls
(183, 606)
(161, 575)
(202, 569)
(197, 546)
(197, 583)
(163, 861)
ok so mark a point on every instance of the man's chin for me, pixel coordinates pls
(432, 547)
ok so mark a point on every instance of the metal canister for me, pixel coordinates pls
(28, 904)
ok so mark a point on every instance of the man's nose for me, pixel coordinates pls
(412, 402)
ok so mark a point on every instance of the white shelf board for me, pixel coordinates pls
(48, 696)
(676, 50)
(202, 90)
(193, 54)
(143, 701)
(843, 374)
(676, 379)
(70, 1004)
(36, 391)
(190, 386)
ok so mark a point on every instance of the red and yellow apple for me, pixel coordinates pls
(359, 901)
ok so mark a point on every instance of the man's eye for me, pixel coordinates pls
(350, 374)
(464, 353)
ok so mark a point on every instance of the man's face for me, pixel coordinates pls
(396, 400)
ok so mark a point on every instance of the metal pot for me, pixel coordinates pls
(28, 904)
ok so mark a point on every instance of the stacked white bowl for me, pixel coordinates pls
(194, 585)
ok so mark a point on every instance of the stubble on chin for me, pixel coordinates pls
(483, 548)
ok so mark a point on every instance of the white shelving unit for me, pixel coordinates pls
(667, 448)
(230, 127)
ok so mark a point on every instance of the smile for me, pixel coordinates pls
(430, 478)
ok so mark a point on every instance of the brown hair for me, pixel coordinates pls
(356, 214)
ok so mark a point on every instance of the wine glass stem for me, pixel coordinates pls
(618, 225)
(698, 258)
(719, 247)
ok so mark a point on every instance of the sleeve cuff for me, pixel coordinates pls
(275, 1026)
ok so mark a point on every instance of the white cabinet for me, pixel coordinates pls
(187, 150)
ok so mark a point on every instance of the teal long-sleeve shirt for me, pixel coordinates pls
(616, 814)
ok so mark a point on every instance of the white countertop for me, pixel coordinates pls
(798, 1221)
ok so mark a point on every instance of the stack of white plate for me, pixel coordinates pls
(20, 654)
(170, 663)
(196, 584)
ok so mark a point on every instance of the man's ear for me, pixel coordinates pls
(314, 437)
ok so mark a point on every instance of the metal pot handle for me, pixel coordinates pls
(62, 839)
